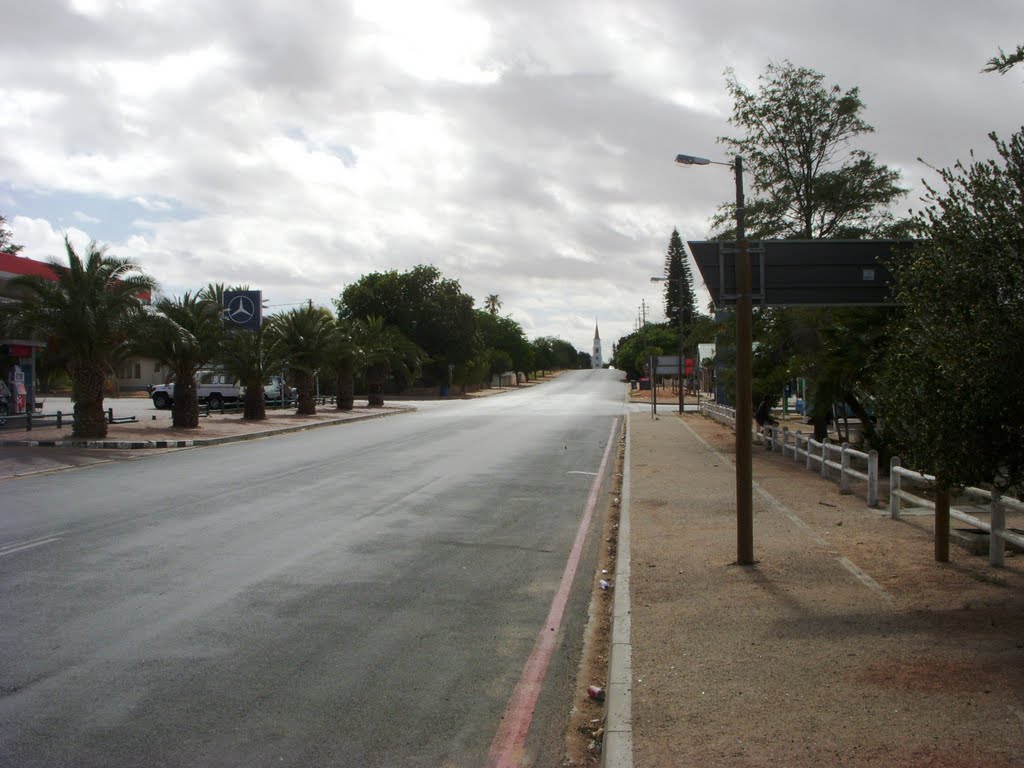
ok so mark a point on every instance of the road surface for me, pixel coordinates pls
(359, 595)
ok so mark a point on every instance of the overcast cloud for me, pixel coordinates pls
(524, 148)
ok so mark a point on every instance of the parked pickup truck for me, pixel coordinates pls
(214, 388)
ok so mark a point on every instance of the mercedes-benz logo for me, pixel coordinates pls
(241, 309)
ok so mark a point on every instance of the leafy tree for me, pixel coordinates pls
(953, 400)
(344, 358)
(680, 305)
(251, 357)
(492, 304)
(632, 352)
(185, 335)
(301, 336)
(806, 178)
(1004, 62)
(504, 335)
(89, 313)
(6, 245)
(384, 348)
(428, 309)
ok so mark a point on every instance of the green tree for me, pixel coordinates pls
(301, 336)
(344, 359)
(680, 305)
(633, 351)
(90, 313)
(384, 348)
(184, 334)
(492, 304)
(504, 335)
(251, 357)
(427, 308)
(6, 244)
(953, 400)
(807, 179)
(1004, 62)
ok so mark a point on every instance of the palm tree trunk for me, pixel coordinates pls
(307, 398)
(375, 375)
(87, 381)
(255, 407)
(185, 411)
(346, 392)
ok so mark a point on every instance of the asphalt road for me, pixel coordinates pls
(361, 595)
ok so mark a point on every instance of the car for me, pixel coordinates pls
(214, 388)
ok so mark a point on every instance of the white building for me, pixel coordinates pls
(595, 356)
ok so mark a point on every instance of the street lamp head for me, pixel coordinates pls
(691, 160)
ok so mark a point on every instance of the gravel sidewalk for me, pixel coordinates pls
(846, 644)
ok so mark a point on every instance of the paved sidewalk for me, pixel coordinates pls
(844, 645)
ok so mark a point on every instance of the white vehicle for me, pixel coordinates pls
(213, 387)
(272, 389)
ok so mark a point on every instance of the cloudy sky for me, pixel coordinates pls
(525, 148)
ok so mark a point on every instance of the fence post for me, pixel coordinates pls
(872, 478)
(824, 458)
(796, 446)
(785, 440)
(996, 544)
(894, 488)
(809, 441)
(60, 420)
(28, 420)
(844, 464)
(110, 415)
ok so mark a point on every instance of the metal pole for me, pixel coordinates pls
(744, 395)
(682, 363)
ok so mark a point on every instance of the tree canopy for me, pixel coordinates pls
(953, 396)
(90, 313)
(428, 309)
(680, 305)
(7, 245)
(807, 177)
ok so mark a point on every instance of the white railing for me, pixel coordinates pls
(998, 533)
(824, 456)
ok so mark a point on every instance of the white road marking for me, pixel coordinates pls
(20, 546)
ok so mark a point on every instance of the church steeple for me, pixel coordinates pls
(595, 357)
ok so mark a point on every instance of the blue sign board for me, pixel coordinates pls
(243, 309)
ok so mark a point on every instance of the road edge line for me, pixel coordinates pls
(617, 750)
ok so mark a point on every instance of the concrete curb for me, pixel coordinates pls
(617, 751)
(195, 443)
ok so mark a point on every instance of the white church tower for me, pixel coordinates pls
(595, 356)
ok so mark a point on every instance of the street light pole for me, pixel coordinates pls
(744, 366)
(682, 362)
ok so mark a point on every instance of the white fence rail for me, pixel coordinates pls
(998, 533)
(831, 460)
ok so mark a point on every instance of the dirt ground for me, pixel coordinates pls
(846, 644)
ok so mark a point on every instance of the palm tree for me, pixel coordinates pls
(344, 356)
(90, 313)
(251, 356)
(384, 347)
(185, 335)
(492, 303)
(301, 336)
